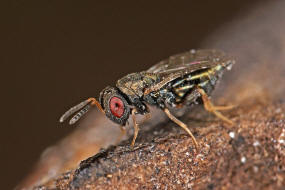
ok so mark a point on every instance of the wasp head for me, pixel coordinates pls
(115, 105)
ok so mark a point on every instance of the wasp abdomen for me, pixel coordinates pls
(183, 89)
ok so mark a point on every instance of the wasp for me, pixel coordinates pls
(181, 80)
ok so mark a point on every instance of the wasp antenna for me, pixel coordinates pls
(73, 110)
(96, 103)
(79, 114)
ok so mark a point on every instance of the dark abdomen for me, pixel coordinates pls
(184, 88)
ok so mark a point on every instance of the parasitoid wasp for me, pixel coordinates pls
(181, 80)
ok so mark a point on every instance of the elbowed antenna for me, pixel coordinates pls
(83, 107)
(73, 110)
(79, 114)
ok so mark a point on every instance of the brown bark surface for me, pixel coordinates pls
(247, 155)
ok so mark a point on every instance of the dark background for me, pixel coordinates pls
(57, 53)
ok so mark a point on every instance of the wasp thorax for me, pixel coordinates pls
(115, 105)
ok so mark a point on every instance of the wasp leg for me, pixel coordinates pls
(221, 108)
(136, 128)
(181, 124)
(214, 109)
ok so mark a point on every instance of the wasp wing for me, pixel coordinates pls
(186, 63)
(191, 61)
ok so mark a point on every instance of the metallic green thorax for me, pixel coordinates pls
(133, 85)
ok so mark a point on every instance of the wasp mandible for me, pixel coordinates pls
(181, 80)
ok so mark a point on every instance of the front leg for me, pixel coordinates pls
(136, 127)
(214, 109)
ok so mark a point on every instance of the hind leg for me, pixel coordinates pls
(181, 124)
(214, 109)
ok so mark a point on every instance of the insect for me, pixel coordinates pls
(181, 80)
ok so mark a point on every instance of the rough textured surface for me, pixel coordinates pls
(247, 155)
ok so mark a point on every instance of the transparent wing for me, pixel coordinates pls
(190, 61)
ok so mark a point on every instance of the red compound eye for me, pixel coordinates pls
(117, 106)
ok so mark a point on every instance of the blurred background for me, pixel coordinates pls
(57, 53)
